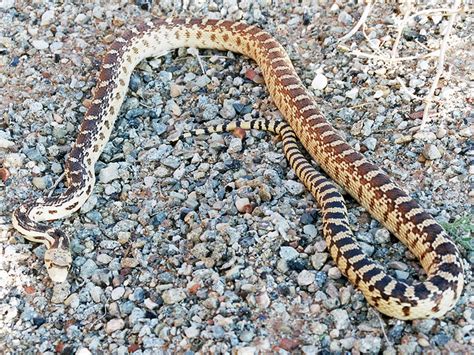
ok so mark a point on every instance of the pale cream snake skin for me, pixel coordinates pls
(368, 184)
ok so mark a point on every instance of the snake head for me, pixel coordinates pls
(58, 258)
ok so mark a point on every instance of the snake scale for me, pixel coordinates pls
(369, 185)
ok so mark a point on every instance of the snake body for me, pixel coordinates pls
(368, 184)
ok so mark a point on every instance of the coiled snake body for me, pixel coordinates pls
(365, 182)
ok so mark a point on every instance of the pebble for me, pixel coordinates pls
(382, 236)
(319, 82)
(202, 81)
(5, 143)
(60, 292)
(305, 278)
(47, 17)
(334, 273)
(310, 229)
(235, 146)
(370, 143)
(228, 110)
(40, 44)
(353, 93)
(367, 248)
(370, 344)
(294, 187)
(173, 295)
(243, 205)
(288, 253)
(416, 83)
(431, 152)
(401, 275)
(42, 182)
(117, 293)
(109, 173)
(425, 136)
(340, 318)
(81, 19)
(88, 269)
(318, 260)
(176, 90)
(96, 294)
(114, 325)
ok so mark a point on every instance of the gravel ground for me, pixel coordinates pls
(211, 244)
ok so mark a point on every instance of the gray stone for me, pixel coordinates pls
(370, 344)
(310, 229)
(370, 143)
(318, 260)
(294, 187)
(288, 253)
(40, 44)
(305, 278)
(109, 173)
(431, 152)
(228, 110)
(117, 293)
(173, 295)
(47, 17)
(88, 269)
(340, 318)
(114, 325)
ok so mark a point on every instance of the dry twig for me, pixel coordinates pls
(400, 29)
(359, 23)
(440, 68)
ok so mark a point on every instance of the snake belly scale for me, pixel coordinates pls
(369, 185)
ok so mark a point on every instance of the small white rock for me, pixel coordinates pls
(353, 93)
(117, 293)
(173, 295)
(40, 44)
(318, 260)
(47, 17)
(319, 82)
(288, 253)
(5, 143)
(294, 187)
(81, 19)
(114, 325)
(370, 143)
(305, 278)
(242, 204)
(431, 152)
(235, 145)
(310, 229)
(192, 332)
(96, 294)
(109, 173)
(334, 273)
(378, 94)
(83, 351)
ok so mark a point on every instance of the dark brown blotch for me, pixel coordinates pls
(94, 110)
(110, 58)
(106, 74)
(72, 206)
(365, 168)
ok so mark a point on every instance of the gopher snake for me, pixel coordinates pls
(364, 181)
